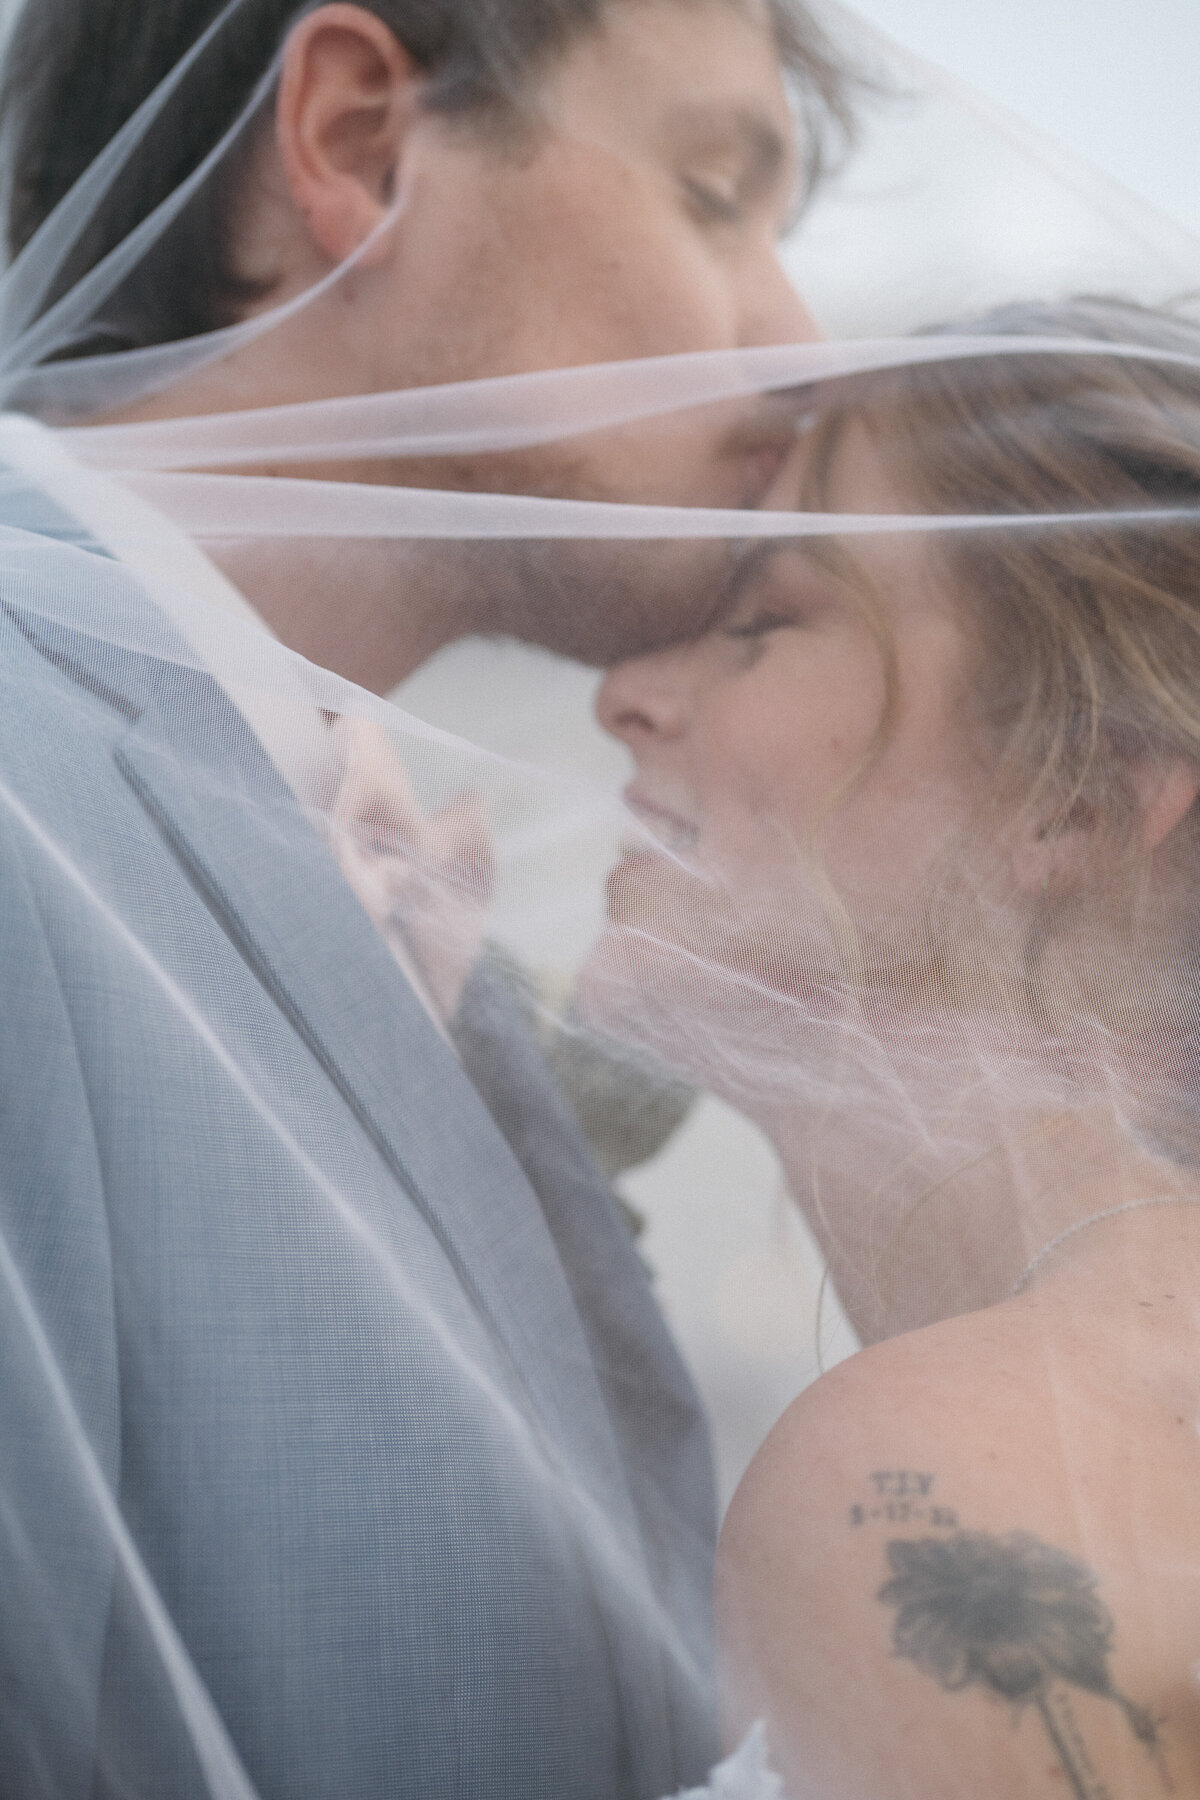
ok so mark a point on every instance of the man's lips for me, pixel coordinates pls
(668, 829)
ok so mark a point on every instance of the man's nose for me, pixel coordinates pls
(640, 702)
(774, 311)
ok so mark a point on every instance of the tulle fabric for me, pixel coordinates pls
(746, 1775)
(327, 986)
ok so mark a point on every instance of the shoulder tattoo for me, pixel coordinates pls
(1008, 1614)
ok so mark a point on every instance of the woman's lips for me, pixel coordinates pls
(668, 829)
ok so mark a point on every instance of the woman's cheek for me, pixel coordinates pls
(777, 743)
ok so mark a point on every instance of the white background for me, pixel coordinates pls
(1117, 82)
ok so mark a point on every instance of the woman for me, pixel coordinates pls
(919, 891)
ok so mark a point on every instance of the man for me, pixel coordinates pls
(346, 1453)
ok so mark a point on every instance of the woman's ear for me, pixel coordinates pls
(1049, 858)
(347, 93)
(1166, 789)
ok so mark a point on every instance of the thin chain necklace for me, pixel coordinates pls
(1111, 1212)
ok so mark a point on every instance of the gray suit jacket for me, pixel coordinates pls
(399, 1440)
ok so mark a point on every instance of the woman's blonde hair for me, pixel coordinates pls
(1086, 638)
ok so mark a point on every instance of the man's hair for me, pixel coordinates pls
(77, 70)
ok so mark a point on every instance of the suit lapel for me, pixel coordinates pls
(270, 882)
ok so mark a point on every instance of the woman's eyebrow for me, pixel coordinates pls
(748, 567)
(756, 558)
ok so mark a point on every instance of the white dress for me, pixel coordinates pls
(746, 1775)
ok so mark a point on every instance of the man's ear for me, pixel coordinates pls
(1165, 788)
(346, 97)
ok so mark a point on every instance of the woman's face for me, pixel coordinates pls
(783, 798)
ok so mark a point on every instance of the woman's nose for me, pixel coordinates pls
(641, 700)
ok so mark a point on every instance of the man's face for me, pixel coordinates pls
(636, 214)
(640, 216)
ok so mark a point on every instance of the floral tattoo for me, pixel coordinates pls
(1019, 1619)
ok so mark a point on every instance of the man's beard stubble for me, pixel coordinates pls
(601, 600)
(596, 600)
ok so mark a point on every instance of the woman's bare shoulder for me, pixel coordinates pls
(912, 1592)
(945, 1404)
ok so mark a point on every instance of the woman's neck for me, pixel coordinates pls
(927, 1207)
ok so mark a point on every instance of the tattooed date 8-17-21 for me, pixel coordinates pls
(1008, 1614)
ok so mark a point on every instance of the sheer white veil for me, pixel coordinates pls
(123, 551)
